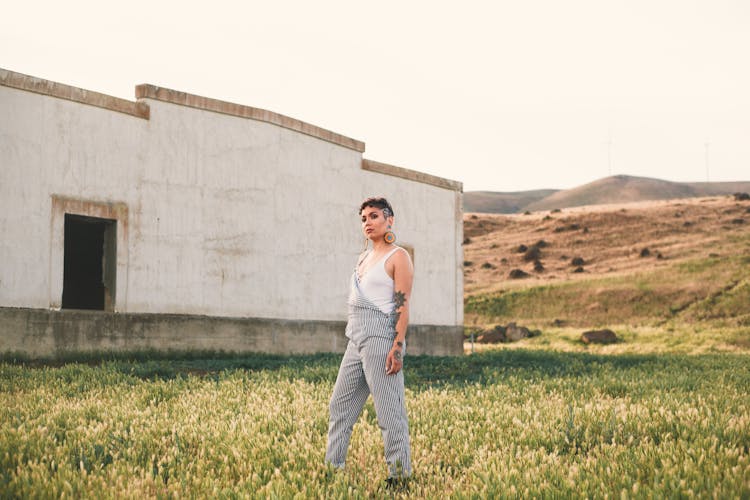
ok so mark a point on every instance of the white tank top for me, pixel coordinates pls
(377, 286)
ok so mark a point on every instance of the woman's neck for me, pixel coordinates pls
(379, 246)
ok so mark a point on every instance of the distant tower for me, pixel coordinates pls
(609, 153)
(707, 144)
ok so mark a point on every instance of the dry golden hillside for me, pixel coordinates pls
(611, 240)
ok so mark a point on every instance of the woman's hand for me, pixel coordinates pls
(394, 361)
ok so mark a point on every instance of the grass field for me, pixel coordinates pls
(504, 422)
(665, 412)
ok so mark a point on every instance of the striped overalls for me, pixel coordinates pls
(362, 372)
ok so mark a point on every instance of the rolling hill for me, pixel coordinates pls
(643, 263)
(609, 190)
(490, 202)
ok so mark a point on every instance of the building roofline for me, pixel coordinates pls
(141, 109)
(147, 91)
(412, 175)
(68, 92)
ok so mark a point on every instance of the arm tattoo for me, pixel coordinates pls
(399, 299)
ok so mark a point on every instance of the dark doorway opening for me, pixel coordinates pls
(90, 263)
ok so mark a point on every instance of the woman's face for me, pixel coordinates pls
(374, 224)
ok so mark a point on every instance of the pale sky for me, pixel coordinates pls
(501, 95)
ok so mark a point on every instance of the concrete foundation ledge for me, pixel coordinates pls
(47, 333)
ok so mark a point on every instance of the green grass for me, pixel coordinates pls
(666, 339)
(711, 289)
(502, 423)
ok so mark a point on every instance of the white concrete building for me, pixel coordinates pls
(183, 222)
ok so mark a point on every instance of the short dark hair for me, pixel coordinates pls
(377, 202)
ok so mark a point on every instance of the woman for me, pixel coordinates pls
(378, 316)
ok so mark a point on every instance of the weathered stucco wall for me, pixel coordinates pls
(237, 217)
(51, 146)
(219, 214)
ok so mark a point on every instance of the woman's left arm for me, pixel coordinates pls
(403, 276)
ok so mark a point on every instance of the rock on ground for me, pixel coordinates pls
(517, 274)
(599, 337)
(514, 332)
(510, 333)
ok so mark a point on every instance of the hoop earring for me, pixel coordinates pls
(389, 236)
